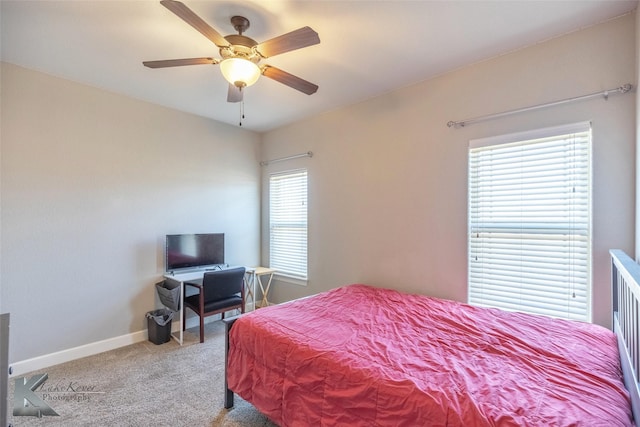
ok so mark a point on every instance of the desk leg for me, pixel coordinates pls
(180, 314)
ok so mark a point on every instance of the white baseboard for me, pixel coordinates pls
(47, 360)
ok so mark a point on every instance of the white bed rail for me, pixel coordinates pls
(4, 368)
(625, 287)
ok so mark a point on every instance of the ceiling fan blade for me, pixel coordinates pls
(179, 62)
(302, 37)
(234, 94)
(289, 80)
(188, 16)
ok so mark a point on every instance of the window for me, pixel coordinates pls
(530, 222)
(288, 223)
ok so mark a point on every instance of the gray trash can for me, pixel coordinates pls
(159, 325)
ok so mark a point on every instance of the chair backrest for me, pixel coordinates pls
(222, 284)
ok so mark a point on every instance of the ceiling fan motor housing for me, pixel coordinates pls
(240, 47)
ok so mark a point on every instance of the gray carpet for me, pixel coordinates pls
(145, 385)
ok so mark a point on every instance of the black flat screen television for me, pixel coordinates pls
(184, 251)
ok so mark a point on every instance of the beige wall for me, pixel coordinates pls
(91, 183)
(388, 180)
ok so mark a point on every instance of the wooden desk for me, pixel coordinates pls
(255, 274)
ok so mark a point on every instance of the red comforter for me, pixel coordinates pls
(364, 356)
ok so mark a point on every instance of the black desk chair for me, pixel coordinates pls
(220, 291)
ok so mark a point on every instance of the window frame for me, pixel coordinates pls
(580, 225)
(298, 243)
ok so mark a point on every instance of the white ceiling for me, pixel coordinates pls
(367, 47)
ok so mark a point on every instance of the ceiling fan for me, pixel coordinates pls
(241, 55)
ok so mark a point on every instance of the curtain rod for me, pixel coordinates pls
(281, 159)
(605, 94)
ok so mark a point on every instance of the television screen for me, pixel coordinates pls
(193, 250)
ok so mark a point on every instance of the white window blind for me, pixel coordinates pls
(288, 223)
(530, 222)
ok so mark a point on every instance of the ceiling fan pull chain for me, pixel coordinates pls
(241, 112)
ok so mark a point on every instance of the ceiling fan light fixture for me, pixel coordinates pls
(240, 72)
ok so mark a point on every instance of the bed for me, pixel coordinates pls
(366, 356)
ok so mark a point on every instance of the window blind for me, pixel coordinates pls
(288, 223)
(530, 222)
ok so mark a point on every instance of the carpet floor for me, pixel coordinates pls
(143, 385)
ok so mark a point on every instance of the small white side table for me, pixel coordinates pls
(255, 275)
